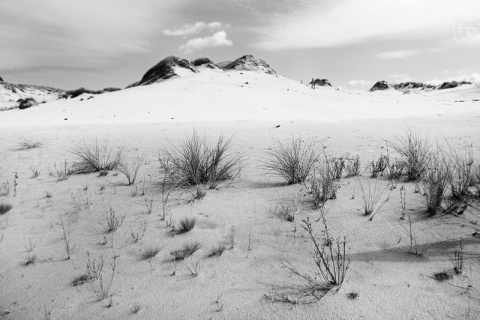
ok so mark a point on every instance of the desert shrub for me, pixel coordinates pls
(331, 264)
(372, 198)
(5, 207)
(435, 179)
(131, 167)
(413, 154)
(322, 183)
(352, 166)
(292, 161)
(338, 166)
(198, 162)
(113, 221)
(26, 103)
(75, 93)
(199, 61)
(95, 157)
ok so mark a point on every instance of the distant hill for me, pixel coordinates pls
(12, 95)
(381, 85)
(173, 66)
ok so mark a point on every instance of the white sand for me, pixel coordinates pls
(391, 283)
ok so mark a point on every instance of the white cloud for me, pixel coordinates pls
(358, 83)
(190, 29)
(400, 54)
(399, 78)
(342, 23)
(474, 78)
(75, 34)
(218, 39)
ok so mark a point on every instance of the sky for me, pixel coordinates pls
(353, 43)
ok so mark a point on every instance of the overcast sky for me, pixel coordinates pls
(353, 43)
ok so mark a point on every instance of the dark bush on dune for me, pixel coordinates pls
(112, 89)
(75, 93)
(452, 84)
(200, 61)
(26, 103)
(1, 79)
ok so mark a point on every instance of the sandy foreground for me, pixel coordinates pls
(390, 282)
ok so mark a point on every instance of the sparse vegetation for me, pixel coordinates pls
(194, 267)
(322, 182)
(5, 207)
(96, 157)
(150, 252)
(292, 161)
(186, 251)
(372, 201)
(413, 152)
(216, 251)
(352, 166)
(28, 142)
(113, 221)
(35, 171)
(458, 259)
(379, 166)
(102, 286)
(62, 172)
(198, 162)
(66, 228)
(185, 225)
(130, 168)
(287, 210)
(331, 266)
(30, 259)
(435, 179)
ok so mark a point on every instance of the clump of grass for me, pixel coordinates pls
(435, 179)
(458, 259)
(27, 143)
(287, 210)
(186, 251)
(463, 171)
(442, 276)
(322, 183)
(150, 252)
(102, 286)
(379, 166)
(196, 161)
(30, 259)
(95, 157)
(130, 168)
(216, 251)
(352, 295)
(5, 207)
(185, 225)
(372, 201)
(413, 152)
(352, 166)
(293, 161)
